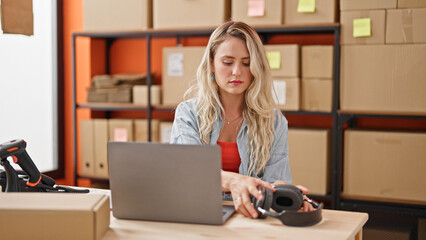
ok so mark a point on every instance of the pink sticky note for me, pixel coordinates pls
(120, 135)
(256, 8)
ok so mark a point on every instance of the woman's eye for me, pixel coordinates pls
(227, 63)
(246, 64)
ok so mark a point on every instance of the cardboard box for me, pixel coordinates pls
(411, 3)
(101, 141)
(87, 146)
(406, 25)
(287, 93)
(284, 60)
(117, 15)
(120, 130)
(165, 131)
(317, 61)
(366, 4)
(310, 168)
(385, 165)
(53, 216)
(17, 17)
(324, 11)
(317, 95)
(140, 94)
(180, 66)
(258, 12)
(383, 78)
(376, 27)
(141, 130)
(190, 13)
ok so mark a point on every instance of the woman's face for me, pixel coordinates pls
(231, 66)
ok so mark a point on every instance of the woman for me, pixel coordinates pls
(234, 108)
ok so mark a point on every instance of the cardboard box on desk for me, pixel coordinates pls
(383, 78)
(317, 61)
(258, 12)
(363, 27)
(385, 165)
(406, 25)
(318, 11)
(287, 93)
(53, 216)
(284, 60)
(116, 15)
(367, 4)
(317, 94)
(179, 72)
(190, 13)
(310, 168)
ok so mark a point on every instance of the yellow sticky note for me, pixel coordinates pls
(362, 27)
(306, 6)
(256, 8)
(274, 58)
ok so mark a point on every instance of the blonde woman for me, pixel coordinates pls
(234, 108)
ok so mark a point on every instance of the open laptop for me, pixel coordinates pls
(165, 182)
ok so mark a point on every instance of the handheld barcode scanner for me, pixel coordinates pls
(30, 179)
(286, 201)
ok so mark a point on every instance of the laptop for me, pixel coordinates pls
(166, 182)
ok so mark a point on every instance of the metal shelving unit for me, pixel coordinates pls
(265, 33)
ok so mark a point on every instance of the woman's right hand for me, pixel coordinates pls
(241, 187)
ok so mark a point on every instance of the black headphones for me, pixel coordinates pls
(286, 201)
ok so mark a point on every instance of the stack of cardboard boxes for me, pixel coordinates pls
(383, 61)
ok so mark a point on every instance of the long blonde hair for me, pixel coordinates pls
(259, 102)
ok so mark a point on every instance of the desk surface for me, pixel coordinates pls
(335, 225)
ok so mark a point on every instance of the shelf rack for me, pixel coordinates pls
(265, 33)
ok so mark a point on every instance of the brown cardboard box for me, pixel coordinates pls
(284, 60)
(406, 25)
(383, 78)
(190, 13)
(367, 4)
(165, 131)
(310, 168)
(120, 130)
(317, 95)
(140, 94)
(87, 144)
(385, 233)
(385, 165)
(378, 22)
(101, 141)
(258, 12)
(287, 93)
(411, 3)
(17, 17)
(317, 61)
(325, 12)
(117, 15)
(53, 216)
(179, 72)
(141, 130)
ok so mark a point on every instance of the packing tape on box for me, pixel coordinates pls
(407, 25)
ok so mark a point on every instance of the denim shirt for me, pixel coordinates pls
(185, 131)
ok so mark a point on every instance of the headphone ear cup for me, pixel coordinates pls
(286, 197)
(265, 203)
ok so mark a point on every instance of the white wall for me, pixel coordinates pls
(28, 87)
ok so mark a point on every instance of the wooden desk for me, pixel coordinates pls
(335, 225)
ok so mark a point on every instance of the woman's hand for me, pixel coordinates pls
(241, 188)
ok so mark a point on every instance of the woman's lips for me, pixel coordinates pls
(236, 82)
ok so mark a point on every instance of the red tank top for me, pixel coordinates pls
(230, 157)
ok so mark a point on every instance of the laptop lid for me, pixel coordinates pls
(164, 182)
